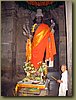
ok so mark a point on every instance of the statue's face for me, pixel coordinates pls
(38, 19)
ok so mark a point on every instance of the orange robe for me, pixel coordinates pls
(40, 44)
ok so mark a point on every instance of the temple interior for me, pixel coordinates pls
(15, 14)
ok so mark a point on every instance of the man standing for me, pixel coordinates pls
(63, 82)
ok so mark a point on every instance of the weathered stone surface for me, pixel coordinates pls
(62, 50)
(13, 42)
(69, 44)
(8, 52)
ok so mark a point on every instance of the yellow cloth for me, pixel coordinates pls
(28, 50)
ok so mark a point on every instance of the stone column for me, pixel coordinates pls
(68, 6)
(62, 37)
(8, 39)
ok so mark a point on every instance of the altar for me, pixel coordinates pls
(30, 89)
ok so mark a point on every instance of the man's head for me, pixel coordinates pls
(63, 68)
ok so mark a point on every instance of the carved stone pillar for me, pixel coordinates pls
(62, 37)
(8, 39)
(68, 6)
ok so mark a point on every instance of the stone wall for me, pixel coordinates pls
(69, 45)
(62, 37)
(13, 42)
(8, 39)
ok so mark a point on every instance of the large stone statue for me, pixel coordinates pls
(43, 41)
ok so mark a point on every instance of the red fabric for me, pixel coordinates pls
(50, 47)
(38, 51)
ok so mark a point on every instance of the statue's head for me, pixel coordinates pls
(39, 16)
(39, 13)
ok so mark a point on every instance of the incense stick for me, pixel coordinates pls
(53, 78)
